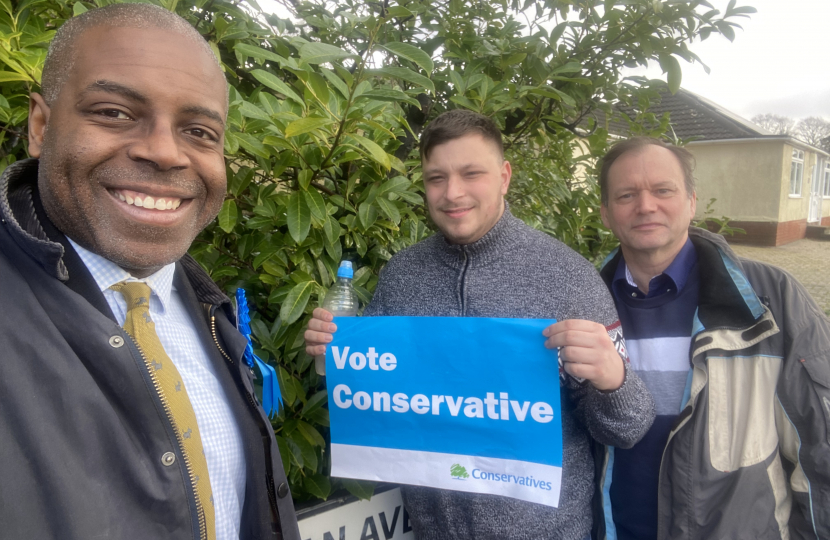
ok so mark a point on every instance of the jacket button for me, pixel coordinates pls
(282, 491)
(168, 459)
(116, 342)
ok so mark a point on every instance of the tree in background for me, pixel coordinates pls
(774, 123)
(812, 130)
(321, 137)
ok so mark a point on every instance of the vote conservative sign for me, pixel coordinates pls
(466, 404)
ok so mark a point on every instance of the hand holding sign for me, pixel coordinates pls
(320, 331)
(587, 352)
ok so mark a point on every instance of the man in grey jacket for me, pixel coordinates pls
(737, 356)
(484, 262)
(126, 411)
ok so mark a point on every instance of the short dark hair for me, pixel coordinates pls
(60, 57)
(455, 124)
(634, 144)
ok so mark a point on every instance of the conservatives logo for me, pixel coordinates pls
(528, 481)
(458, 472)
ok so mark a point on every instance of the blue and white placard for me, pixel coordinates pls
(466, 404)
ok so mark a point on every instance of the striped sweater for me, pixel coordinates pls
(658, 329)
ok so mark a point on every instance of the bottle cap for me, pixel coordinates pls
(345, 269)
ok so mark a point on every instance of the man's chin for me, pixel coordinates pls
(141, 261)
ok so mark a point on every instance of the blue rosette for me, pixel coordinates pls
(271, 397)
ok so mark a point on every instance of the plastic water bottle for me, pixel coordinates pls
(341, 301)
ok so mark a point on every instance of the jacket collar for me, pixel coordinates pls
(726, 296)
(37, 236)
(495, 243)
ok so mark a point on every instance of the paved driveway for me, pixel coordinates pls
(807, 260)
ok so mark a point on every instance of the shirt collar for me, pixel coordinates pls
(678, 272)
(106, 274)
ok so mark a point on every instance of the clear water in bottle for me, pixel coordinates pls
(341, 301)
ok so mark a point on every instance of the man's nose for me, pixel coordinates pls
(160, 145)
(455, 187)
(646, 203)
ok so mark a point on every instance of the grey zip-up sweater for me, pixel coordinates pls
(516, 271)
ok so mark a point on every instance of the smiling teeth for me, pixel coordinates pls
(146, 201)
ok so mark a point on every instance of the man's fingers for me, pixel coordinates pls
(571, 324)
(579, 355)
(312, 337)
(322, 326)
(581, 371)
(319, 332)
(315, 350)
(322, 314)
(578, 338)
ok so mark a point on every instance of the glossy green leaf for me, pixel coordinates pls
(317, 85)
(10, 76)
(296, 301)
(299, 217)
(359, 488)
(307, 450)
(315, 203)
(674, 74)
(398, 183)
(252, 145)
(252, 111)
(393, 96)
(259, 53)
(284, 453)
(378, 153)
(295, 452)
(228, 216)
(332, 229)
(335, 81)
(389, 209)
(274, 83)
(318, 485)
(411, 53)
(367, 213)
(311, 435)
(360, 244)
(406, 74)
(320, 53)
(286, 388)
(305, 125)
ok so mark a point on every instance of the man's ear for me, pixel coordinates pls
(506, 174)
(603, 214)
(38, 120)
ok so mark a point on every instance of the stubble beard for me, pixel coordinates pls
(89, 224)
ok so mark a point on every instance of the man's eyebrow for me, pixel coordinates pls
(465, 167)
(204, 111)
(115, 88)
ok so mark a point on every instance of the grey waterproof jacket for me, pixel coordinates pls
(749, 455)
(82, 431)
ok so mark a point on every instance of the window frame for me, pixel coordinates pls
(797, 173)
(826, 189)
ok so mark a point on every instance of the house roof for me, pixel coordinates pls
(692, 117)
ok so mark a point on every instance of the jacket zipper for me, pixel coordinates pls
(271, 489)
(463, 282)
(200, 510)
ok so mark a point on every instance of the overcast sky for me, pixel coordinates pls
(777, 64)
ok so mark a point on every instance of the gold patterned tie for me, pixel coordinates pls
(171, 390)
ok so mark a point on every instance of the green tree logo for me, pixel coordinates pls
(457, 471)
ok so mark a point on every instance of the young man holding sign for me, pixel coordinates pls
(484, 262)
